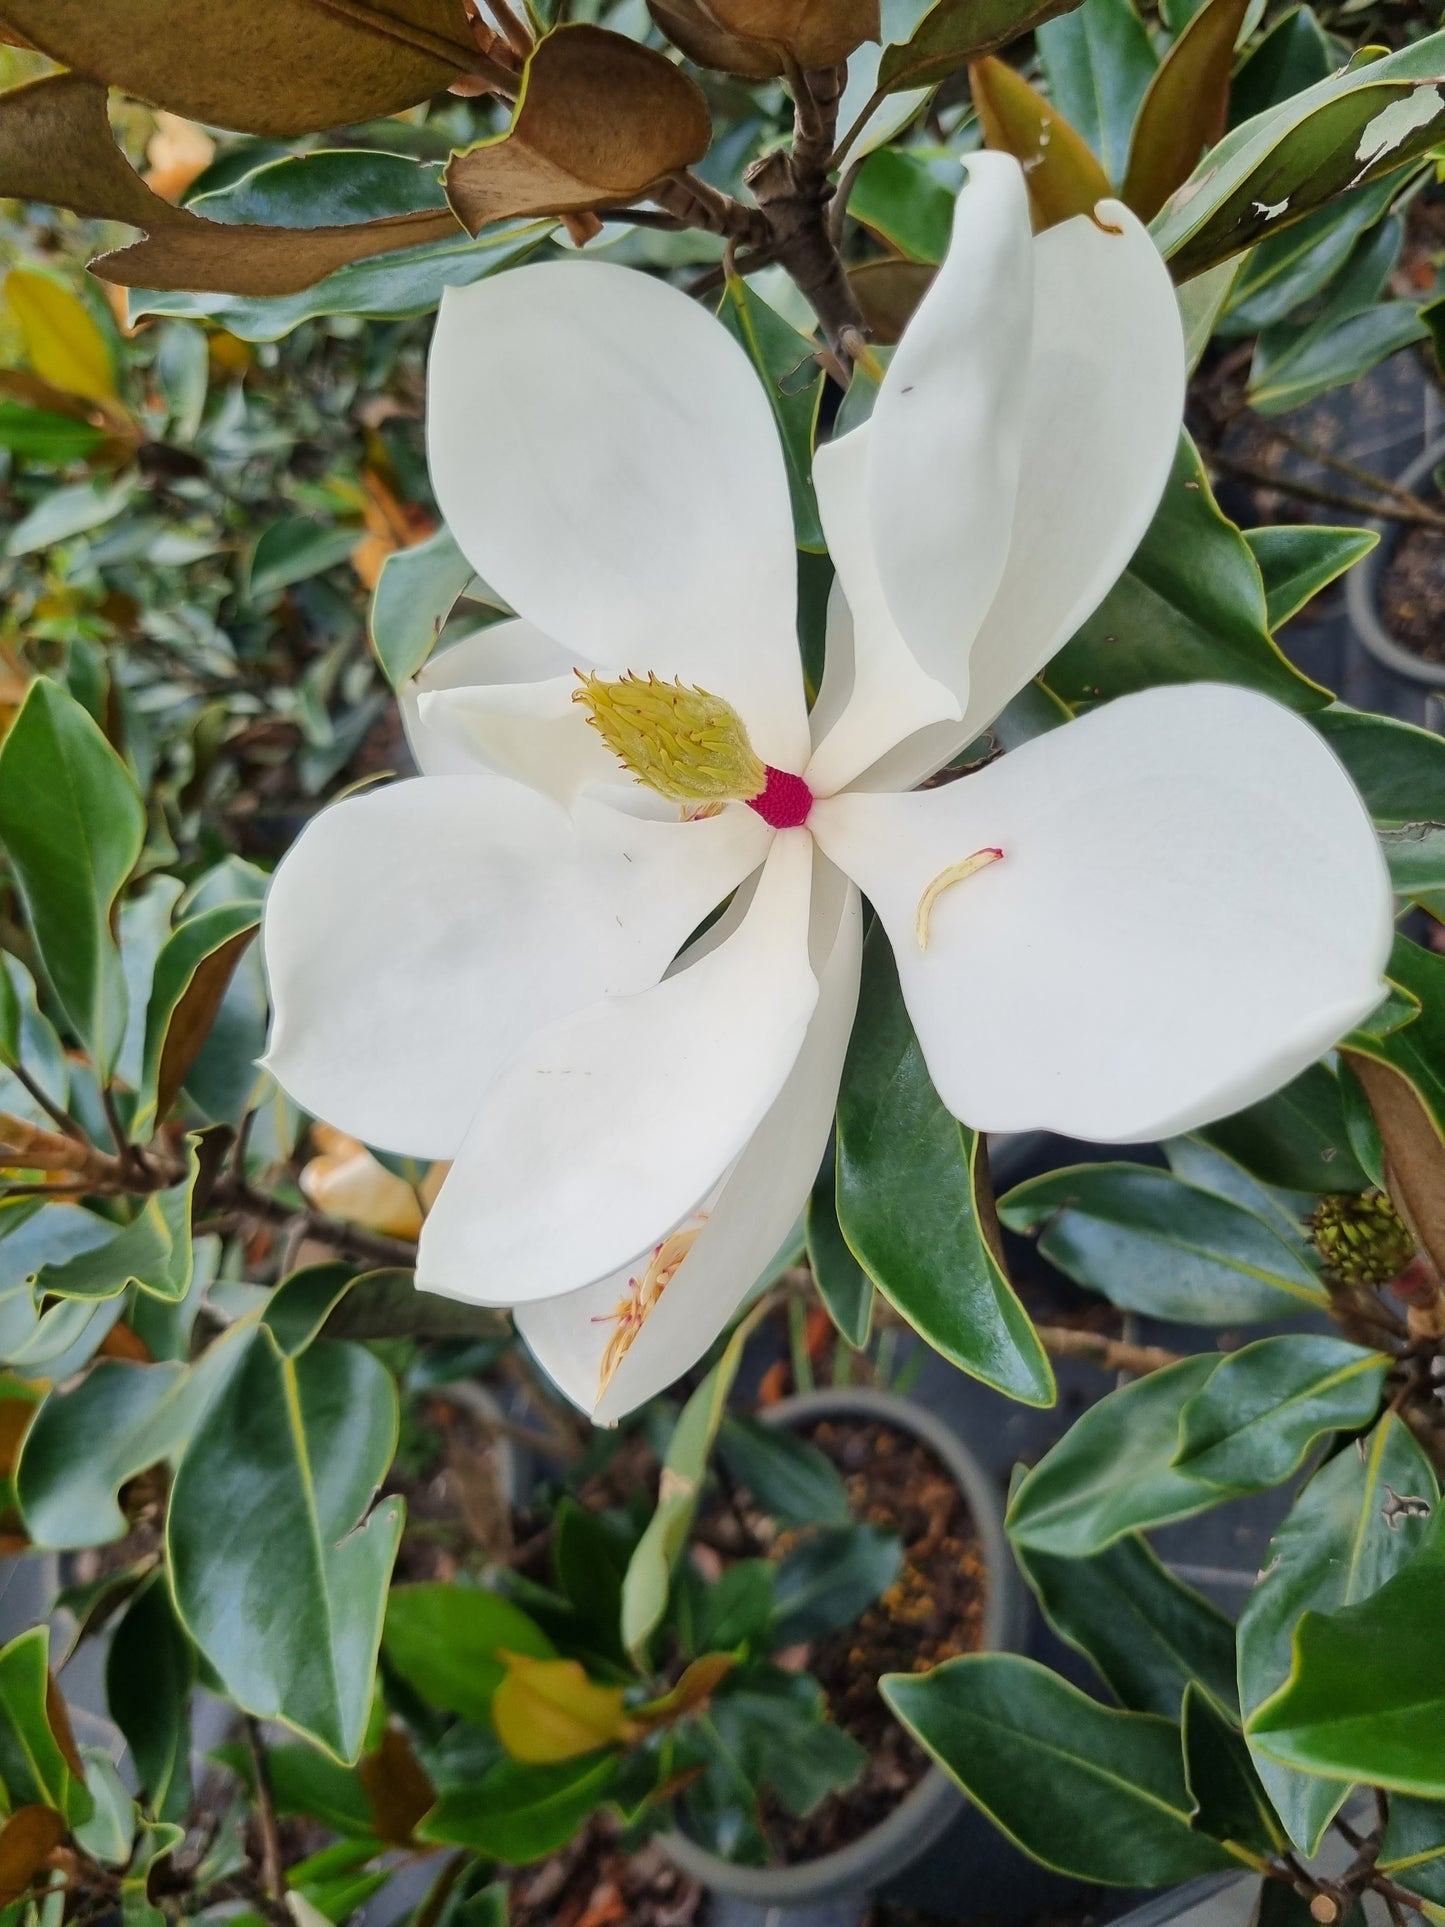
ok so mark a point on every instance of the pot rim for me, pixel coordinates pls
(1362, 584)
(928, 1809)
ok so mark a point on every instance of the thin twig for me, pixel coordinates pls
(240, 1201)
(1110, 1354)
(1421, 517)
(1365, 476)
(870, 106)
(58, 1116)
(272, 1877)
(838, 210)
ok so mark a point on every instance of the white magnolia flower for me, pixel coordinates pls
(1128, 926)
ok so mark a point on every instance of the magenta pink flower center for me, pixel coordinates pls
(784, 802)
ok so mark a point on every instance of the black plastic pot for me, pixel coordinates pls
(1362, 587)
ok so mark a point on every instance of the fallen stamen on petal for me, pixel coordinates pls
(688, 745)
(945, 880)
(640, 1300)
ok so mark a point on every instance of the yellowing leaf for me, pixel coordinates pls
(600, 120)
(28, 1836)
(62, 343)
(694, 1689)
(1064, 177)
(346, 1181)
(547, 1710)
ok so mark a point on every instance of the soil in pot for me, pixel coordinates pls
(1412, 590)
(596, 1882)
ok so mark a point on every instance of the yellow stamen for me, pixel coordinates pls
(945, 880)
(687, 745)
(641, 1298)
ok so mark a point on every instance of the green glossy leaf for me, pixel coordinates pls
(294, 549)
(35, 435)
(1343, 132)
(443, 1640)
(150, 1674)
(29, 1038)
(329, 187)
(1288, 269)
(1334, 357)
(61, 1337)
(1146, 1632)
(304, 1781)
(153, 1252)
(417, 591)
(843, 1285)
(72, 825)
(1086, 1789)
(1189, 608)
(303, 1302)
(109, 1831)
(1293, 55)
(781, 355)
(789, 1477)
(1098, 61)
(280, 1573)
(1366, 1690)
(900, 200)
(954, 32)
(909, 1203)
(772, 1730)
(1356, 1523)
(1152, 1243)
(1110, 1474)
(1413, 1853)
(1211, 1169)
(39, 1765)
(519, 1814)
(1229, 1802)
(1296, 1139)
(67, 512)
(1400, 772)
(589, 1561)
(1297, 563)
(1265, 1406)
(191, 975)
(830, 1578)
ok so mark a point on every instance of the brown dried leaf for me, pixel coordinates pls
(194, 1015)
(27, 1838)
(750, 36)
(1186, 108)
(888, 291)
(600, 120)
(692, 30)
(57, 1715)
(1064, 177)
(399, 1791)
(1414, 1153)
(267, 67)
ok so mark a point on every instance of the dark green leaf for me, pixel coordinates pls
(1414, 1849)
(329, 187)
(1293, 55)
(780, 355)
(39, 1765)
(35, 435)
(417, 591)
(150, 1674)
(1098, 61)
(589, 1559)
(443, 1641)
(899, 199)
(63, 1334)
(1400, 772)
(1296, 1139)
(1229, 1802)
(788, 1476)
(954, 32)
(829, 1578)
(1202, 1164)
(305, 1781)
(1291, 268)
(153, 1252)
(517, 1813)
(1334, 357)
(1297, 563)
(303, 1302)
(843, 1285)
(1265, 1406)
(191, 976)
(773, 1727)
(294, 549)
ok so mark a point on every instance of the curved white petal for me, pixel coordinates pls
(534, 731)
(888, 696)
(946, 431)
(416, 935)
(605, 1131)
(1191, 906)
(503, 653)
(745, 1223)
(1105, 405)
(604, 447)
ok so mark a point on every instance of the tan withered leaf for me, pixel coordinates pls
(27, 1837)
(1064, 177)
(750, 36)
(600, 119)
(56, 145)
(259, 66)
(398, 1789)
(888, 291)
(694, 32)
(1186, 108)
(1414, 1154)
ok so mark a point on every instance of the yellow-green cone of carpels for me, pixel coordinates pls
(687, 745)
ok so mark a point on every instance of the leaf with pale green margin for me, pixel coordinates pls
(1098, 61)
(1147, 1634)
(843, 1285)
(292, 550)
(1265, 1406)
(72, 825)
(30, 1038)
(1332, 357)
(649, 1571)
(62, 1337)
(910, 1202)
(108, 1833)
(1189, 608)
(1202, 1164)
(89, 1438)
(144, 923)
(899, 198)
(1297, 562)
(1352, 1527)
(1294, 54)
(1152, 1243)
(388, 287)
(791, 1480)
(150, 1676)
(39, 1764)
(782, 358)
(303, 1302)
(328, 187)
(1366, 1690)
(954, 32)
(1202, 302)
(1400, 772)
(192, 974)
(1344, 132)
(153, 1252)
(1413, 1853)
(1230, 1804)
(518, 1814)
(1410, 1041)
(417, 590)
(1110, 1474)
(830, 1578)
(1085, 1789)
(1291, 268)
(280, 1572)
(1295, 1139)
(443, 1640)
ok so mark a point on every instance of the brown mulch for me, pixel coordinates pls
(593, 1883)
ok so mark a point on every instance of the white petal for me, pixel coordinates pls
(746, 1222)
(1191, 906)
(605, 447)
(534, 731)
(606, 1131)
(889, 696)
(946, 431)
(416, 935)
(1105, 404)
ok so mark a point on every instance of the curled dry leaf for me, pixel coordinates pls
(56, 145)
(285, 67)
(1186, 108)
(27, 1838)
(600, 119)
(1064, 177)
(754, 37)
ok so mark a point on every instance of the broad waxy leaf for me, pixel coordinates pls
(1146, 1632)
(417, 591)
(276, 1581)
(830, 1578)
(1189, 608)
(779, 352)
(1329, 354)
(444, 1640)
(191, 975)
(1152, 1243)
(152, 1252)
(36, 435)
(1356, 1523)
(1297, 562)
(789, 1477)
(61, 1337)
(150, 1674)
(842, 1283)
(599, 119)
(329, 187)
(954, 32)
(518, 1813)
(1265, 1406)
(1111, 1474)
(770, 1731)
(1292, 55)
(1230, 1804)
(305, 1781)
(1413, 1853)
(39, 1764)
(1292, 267)
(1099, 61)
(1064, 177)
(1213, 1170)
(1400, 772)
(72, 825)
(897, 197)
(290, 67)
(911, 1203)
(1366, 1690)
(294, 549)
(1088, 1790)
(1296, 1139)
(1186, 107)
